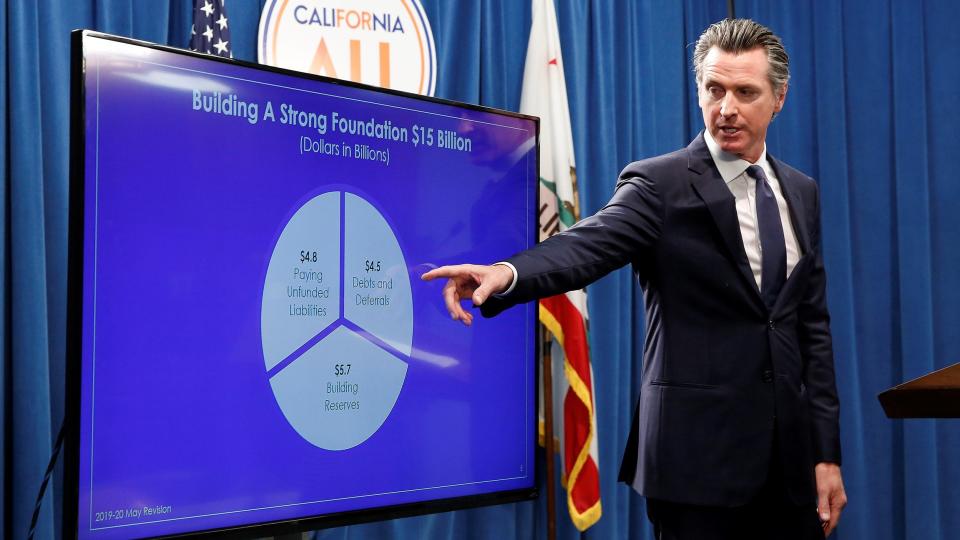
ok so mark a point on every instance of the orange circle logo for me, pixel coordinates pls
(386, 43)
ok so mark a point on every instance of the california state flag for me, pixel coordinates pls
(564, 316)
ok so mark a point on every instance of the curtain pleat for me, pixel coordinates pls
(29, 419)
(911, 191)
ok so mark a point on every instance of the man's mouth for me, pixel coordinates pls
(729, 130)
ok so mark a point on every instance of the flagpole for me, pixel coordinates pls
(548, 437)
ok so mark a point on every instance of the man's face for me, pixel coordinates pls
(738, 101)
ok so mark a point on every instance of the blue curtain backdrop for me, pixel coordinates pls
(870, 113)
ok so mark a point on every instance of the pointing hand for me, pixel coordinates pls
(470, 281)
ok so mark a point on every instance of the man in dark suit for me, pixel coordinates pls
(736, 432)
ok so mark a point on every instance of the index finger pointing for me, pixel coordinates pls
(443, 271)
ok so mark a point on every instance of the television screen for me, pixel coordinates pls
(251, 341)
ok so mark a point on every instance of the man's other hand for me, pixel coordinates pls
(831, 497)
(470, 281)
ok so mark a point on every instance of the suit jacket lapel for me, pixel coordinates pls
(794, 204)
(711, 188)
(798, 217)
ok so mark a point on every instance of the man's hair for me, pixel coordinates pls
(741, 35)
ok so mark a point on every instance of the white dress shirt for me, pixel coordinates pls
(744, 189)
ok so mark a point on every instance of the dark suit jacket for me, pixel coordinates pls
(723, 375)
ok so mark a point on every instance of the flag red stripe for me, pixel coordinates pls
(574, 334)
(584, 484)
(586, 492)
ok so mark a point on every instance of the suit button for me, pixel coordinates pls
(771, 325)
(767, 376)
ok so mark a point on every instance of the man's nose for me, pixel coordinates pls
(728, 107)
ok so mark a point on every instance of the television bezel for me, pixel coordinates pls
(74, 356)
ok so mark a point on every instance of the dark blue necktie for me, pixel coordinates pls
(773, 250)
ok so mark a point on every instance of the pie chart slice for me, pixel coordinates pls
(301, 293)
(337, 412)
(377, 295)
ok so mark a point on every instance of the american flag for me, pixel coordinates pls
(210, 33)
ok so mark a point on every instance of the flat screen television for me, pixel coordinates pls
(251, 348)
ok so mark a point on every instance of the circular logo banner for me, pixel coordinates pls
(386, 43)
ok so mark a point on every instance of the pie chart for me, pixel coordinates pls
(336, 320)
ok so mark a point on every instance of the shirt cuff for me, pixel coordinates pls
(512, 283)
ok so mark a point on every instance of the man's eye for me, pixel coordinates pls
(747, 92)
(715, 92)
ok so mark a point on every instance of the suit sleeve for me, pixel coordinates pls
(816, 349)
(628, 224)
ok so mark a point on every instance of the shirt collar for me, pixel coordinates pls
(729, 165)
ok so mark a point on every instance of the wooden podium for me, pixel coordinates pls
(934, 395)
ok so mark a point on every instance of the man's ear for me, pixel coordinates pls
(781, 98)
